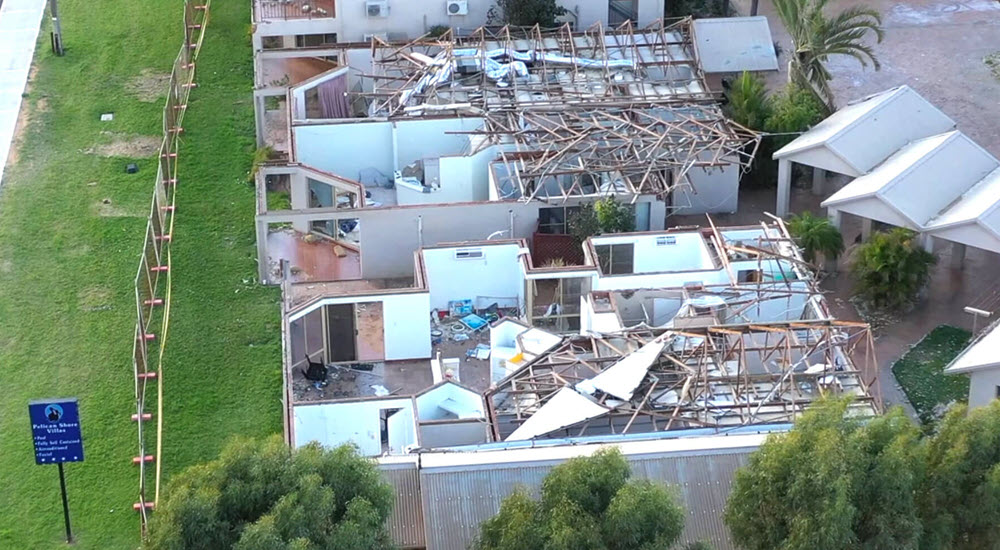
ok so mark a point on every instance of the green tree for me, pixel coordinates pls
(891, 268)
(587, 503)
(259, 495)
(960, 500)
(794, 109)
(832, 482)
(816, 37)
(748, 102)
(815, 235)
(696, 8)
(606, 215)
(528, 13)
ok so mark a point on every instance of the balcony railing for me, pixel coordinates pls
(294, 9)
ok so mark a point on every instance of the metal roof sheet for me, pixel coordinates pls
(735, 44)
(980, 354)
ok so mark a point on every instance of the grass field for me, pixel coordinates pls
(67, 259)
(921, 371)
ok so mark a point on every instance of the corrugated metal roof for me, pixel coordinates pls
(735, 44)
(456, 500)
(980, 354)
(406, 524)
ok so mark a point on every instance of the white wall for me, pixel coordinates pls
(345, 149)
(688, 253)
(406, 322)
(713, 190)
(453, 434)
(334, 424)
(469, 402)
(983, 387)
(498, 274)
(430, 138)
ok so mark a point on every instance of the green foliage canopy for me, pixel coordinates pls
(528, 13)
(830, 483)
(891, 268)
(816, 37)
(606, 215)
(587, 503)
(815, 235)
(259, 495)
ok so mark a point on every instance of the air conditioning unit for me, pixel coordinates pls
(380, 35)
(458, 7)
(377, 8)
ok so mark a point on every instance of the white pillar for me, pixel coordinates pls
(299, 196)
(835, 217)
(784, 187)
(819, 181)
(262, 259)
(957, 255)
(926, 241)
(866, 228)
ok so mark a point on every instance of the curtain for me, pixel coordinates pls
(333, 97)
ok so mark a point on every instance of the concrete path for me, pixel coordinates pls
(19, 25)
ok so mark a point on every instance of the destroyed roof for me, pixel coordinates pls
(715, 376)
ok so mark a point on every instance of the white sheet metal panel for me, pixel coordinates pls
(621, 378)
(980, 354)
(974, 203)
(563, 409)
(867, 132)
(735, 44)
(19, 25)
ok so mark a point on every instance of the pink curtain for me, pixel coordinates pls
(333, 97)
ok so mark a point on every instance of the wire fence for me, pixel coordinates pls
(153, 280)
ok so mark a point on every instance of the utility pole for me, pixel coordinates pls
(57, 45)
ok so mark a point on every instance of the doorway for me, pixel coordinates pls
(355, 332)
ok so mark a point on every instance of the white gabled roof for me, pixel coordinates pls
(921, 181)
(973, 205)
(982, 353)
(735, 44)
(855, 139)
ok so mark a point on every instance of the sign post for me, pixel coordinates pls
(55, 427)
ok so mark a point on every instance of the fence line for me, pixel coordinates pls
(153, 279)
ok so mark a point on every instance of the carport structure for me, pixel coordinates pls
(912, 169)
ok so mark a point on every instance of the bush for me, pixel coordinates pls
(259, 495)
(606, 215)
(528, 13)
(815, 235)
(588, 503)
(891, 269)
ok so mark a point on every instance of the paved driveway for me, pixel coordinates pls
(19, 25)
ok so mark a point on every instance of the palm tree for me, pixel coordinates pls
(816, 37)
(891, 269)
(748, 103)
(815, 235)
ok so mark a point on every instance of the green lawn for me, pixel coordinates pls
(67, 261)
(920, 371)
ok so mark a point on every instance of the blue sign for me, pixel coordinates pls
(55, 425)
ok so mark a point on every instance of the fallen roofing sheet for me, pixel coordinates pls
(565, 408)
(19, 24)
(622, 378)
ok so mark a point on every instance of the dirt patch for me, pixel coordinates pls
(6, 266)
(126, 145)
(993, 62)
(23, 118)
(105, 209)
(149, 86)
(94, 299)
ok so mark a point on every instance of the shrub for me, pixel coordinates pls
(891, 269)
